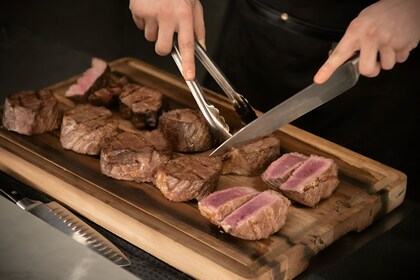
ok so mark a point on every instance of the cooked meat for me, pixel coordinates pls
(31, 112)
(188, 177)
(102, 97)
(93, 79)
(313, 180)
(187, 130)
(135, 156)
(258, 218)
(217, 205)
(142, 105)
(251, 158)
(85, 128)
(280, 170)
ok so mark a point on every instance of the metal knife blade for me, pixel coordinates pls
(345, 77)
(65, 221)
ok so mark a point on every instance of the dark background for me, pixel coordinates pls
(44, 42)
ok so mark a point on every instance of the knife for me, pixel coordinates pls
(345, 77)
(65, 221)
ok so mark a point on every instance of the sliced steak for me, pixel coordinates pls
(187, 129)
(142, 105)
(32, 112)
(251, 158)
(109, 95)
(217, 205)
(188, 177)
(135, 156)
(280, 170)
(313, 180)
(258, 218)
(85, 128)
(93, 79)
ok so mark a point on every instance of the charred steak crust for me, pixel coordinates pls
(142, 105)
(135, 156)
(251, 158)
(313, 181)
(85, 128)
(187, 130)
(31, 112)
(217, 205)
(96, 77)
(188, 177)
(258, 218)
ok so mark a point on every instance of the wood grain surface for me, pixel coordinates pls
(176, 232)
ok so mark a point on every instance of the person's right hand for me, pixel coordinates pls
(160, 19)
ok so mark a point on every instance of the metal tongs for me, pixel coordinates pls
(212, 115)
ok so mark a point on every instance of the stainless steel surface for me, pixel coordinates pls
(301, 103)
(30, 249)
(67, 222)
(216, 122)
(241, 105)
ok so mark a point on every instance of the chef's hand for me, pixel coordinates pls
(160, 19)
(390, 28)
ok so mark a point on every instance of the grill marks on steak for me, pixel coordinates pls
(258, 218)
(187, 130)
(85, 128)
(32, 112)
(217, 205)
(93, 79)
(188, 177)
(135, 156)
(142, 105)
(306, 180)
(252, 158)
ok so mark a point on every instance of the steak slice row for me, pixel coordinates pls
(135, 156)
(31, 112)
(85, 128)
(188, 177)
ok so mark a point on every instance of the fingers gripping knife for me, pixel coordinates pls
(217, 124)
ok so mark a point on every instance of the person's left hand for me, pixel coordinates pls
(390, 28)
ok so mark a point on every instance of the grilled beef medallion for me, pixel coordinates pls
(93, 79)
(31, 112)
(252, 158)
(188, 177)
(259, 217)
(85, 128)
(142, 105)
(217, 205)
(280, 170)
(109, 95)
(187, 129)
(315, 179)
(135, 156)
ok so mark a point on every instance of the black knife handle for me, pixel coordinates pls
(10, 188)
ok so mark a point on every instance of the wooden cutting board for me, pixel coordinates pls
(176, 232)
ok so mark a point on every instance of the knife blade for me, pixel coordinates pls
(63, 220)
(345, 77)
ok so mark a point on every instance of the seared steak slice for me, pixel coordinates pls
(217, 205)
(135, 156)
(93, 79)
(85, 128)
(187, 130)
(31, 112)
(109, 95)
(142, 105)
(313, 180)
(258, 218)
(252, 158)
(188, 177)
(280, 170)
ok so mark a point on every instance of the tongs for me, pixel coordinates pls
(212, 115)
